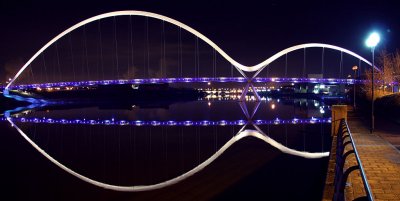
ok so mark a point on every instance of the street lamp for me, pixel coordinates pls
(371, 42)
(354, 86)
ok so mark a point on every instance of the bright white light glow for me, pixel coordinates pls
(372, 40)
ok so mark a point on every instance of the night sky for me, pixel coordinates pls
(249, 31)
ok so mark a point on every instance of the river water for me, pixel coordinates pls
(200, 150)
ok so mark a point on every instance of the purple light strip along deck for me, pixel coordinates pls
(188, 80)
(276, 121)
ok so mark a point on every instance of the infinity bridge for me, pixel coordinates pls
(161, 66)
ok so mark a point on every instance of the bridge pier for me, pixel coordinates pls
(249, 85)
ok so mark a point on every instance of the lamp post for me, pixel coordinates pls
(371, 42)
(354, 86)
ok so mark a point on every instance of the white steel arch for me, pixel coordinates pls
(238, 65)
(236, 138)
(127, 13)
(274, 57)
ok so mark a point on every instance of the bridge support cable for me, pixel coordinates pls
(31, 71)
(58, 61)
(85, 52)
(304, 63)
(45, 68)
(216, 138)
(214, 64)
(130, 57)
(72, 56)
(147, 49)
(162, 50)
(286, 136)
(341, 66)
(322, 61)
(322, 137)
(97, 61)
(195, 57)
(304, 137)
(41, 72)
(286, 65)
(198, 56)
(101, 49)
(164, 44)
(180, 52)
(116, 46)
(198, 144)
(231, 70)
(166, 151)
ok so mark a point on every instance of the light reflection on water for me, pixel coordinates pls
(157, 156)
(196, 111)
(149, 144)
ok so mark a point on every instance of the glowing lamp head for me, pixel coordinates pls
(372, 40)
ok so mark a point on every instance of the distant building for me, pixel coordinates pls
(315, 76)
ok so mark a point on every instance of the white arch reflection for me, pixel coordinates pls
(242, 134)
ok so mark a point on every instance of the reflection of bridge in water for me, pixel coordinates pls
(243, 133)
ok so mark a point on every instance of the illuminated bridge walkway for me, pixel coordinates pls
(191, 80)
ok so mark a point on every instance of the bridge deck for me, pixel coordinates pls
(381, 160)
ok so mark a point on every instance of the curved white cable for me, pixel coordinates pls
(177, 179)
(263, 64)
(187, 28)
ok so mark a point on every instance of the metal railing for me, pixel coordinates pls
(345, 138)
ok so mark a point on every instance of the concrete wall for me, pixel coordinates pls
(338, 112)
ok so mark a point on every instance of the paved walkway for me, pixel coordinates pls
(381, 159)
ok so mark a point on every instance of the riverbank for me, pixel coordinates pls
(389, 106)
(385, 106)
(10, 103)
